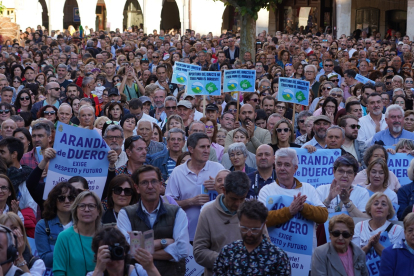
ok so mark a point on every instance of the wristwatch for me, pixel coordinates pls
(164, 243)
(348, 205)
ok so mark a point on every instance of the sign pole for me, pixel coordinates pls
(293, 116)
(204, 106)
(238, 106)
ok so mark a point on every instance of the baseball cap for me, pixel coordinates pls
(144, 99)
(185, 103)
(212, 106)
(113, 91)
(186, 95)
(323, 118)
(400, 43)
(332, 75)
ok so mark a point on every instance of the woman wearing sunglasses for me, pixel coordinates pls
(49, 112)
(121, 193)
(23, 101)
(283, 136)
(56, 218)
(340, 256)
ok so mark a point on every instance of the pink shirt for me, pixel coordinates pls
(319, 111)
(347, 261)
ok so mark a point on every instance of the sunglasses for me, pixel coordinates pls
(334, 80)
(336, 95)
(171, 107)
(49, 112)
(355, 126)
(6, 111)
(155, 56)
(279, 130)
(328, 65)
(254, 100)
(388, 83)
(232, 110)
(210, 127)
(2, 67)
(119, 190)
(63, 198)
(344, 234)
(334, 48)
(326, 88)
(55, 88)
(301, 121)
(25, 98)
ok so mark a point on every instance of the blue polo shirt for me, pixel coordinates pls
(257, 183)
(389, 140)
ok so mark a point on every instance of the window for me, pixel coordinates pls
(368, 20)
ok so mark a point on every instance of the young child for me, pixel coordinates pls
(99, 88)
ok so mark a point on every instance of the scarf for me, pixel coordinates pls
(18, 176)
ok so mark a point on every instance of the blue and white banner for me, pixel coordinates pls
(204, 83)
(398, 163)
(316, 168)
(32, 243)
(79, 151)
(363, 79)
(180, 72)
(239, 80)
(295, 237)
(293, 91)
(212, 194)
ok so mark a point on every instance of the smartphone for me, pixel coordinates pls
(149, 241)
(135, 238)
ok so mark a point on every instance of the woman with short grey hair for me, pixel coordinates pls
(238, 153)
(240, 135)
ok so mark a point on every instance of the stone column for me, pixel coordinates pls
(343, 17)
(262, 22)
(410, 19)
(55, 12)
(152, 15)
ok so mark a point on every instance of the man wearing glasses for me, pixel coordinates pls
(351, 144)
(155, 61)
(52, 98)
(114, 136)
(169, 222)
(327, 69)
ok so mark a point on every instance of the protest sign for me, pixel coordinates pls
(204, 83)
(316, 168)
(192, 268)
(398, 163)
(239, 80)
(180, 72)
(295, 237)
(363, 79)
(79, 151)
(212, 194)
(293, 91)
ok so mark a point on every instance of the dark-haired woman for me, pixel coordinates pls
(56, 218)
(23, 102)
(8, 199)
(121, 193)
(23, 135)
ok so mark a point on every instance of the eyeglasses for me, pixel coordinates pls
(332, 48)
(155, 56)
(4, 188)
(210, 127)
(5, 111)
(117, 80)
(355, 126)
(113, 137)
(49, 112)
(146, 183)
(254, 100)
(63, 198)
(253, 231)
(388, 83)
(279, 130)
(301, 121)
(232, 155)
(2, 67)
(232, 110)
(337, 233)
(109, 122)
(334, 80)
(91, 206)
(16, 81)
(281, 107)
(329, 106)
(119, 190)
(25, 98)
(326, 88)
(409, 82)
(171, 107)
(328, 65)
(342, 172)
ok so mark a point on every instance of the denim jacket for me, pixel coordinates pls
(405, 198)
(160, 161)
(45, 243)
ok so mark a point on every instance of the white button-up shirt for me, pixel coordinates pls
(367, 130)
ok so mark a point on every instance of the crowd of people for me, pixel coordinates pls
(170, 151)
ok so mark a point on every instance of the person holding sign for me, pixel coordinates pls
(257, 135)
(398, 259)
(218, 222)
(341, 195)
(254, 246)
(286, 163)
(340, 256)
(377, 233)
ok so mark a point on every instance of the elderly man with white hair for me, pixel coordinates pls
(394, 117)
(286, 165)
(145, 129)
(7, 128)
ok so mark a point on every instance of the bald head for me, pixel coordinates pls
(7, 128)
(265, 158)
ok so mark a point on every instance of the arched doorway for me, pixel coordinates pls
(133, 14)
(71, 14)
(396, 20)
(230, 19)
(100, 21)
(170, 16)
(45, 16)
